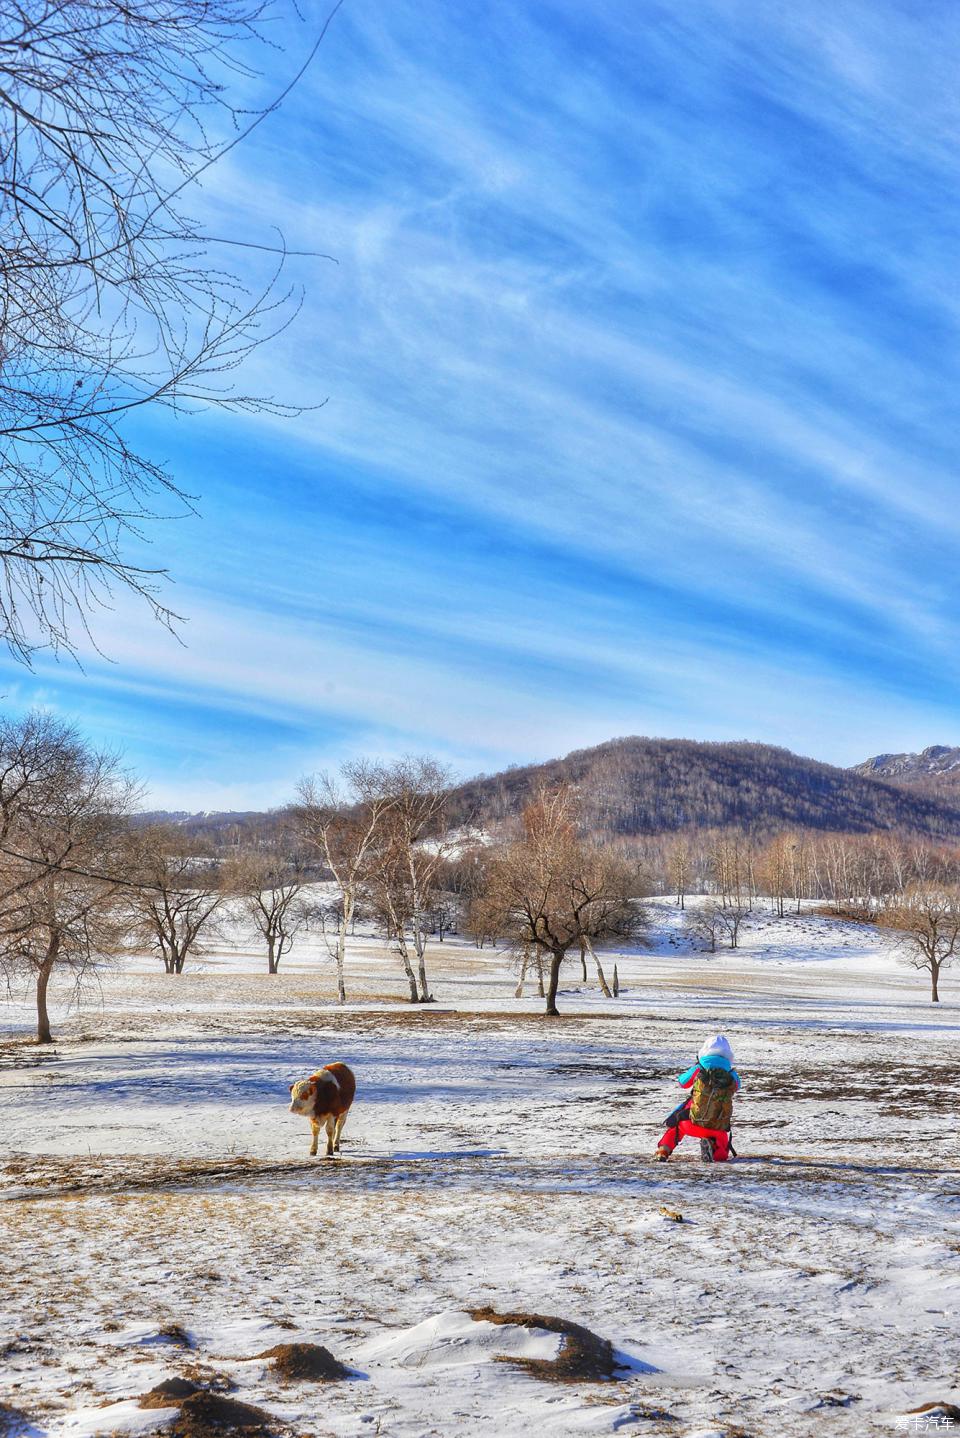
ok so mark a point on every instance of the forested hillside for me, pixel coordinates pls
(651, 786)
(648, 786)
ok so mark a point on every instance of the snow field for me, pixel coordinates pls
(155, 1186)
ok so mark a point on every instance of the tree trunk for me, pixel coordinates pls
(616, 982)
(518, 991)
(411, 976)
(604, 987)
(44, 1036)
(556, 959)
(541, 991)
(934, 981)
(583, 960)
(346, 918)
(420, 949)
(272, 961)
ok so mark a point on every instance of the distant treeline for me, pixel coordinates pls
(855, 874)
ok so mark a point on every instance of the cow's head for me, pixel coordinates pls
(302, 1095)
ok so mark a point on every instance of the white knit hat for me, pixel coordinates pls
(718, 1046)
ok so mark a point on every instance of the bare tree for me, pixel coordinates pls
(63, 872)
(927, 920)
(732, 919)
(112, 298)
(680, 869)
(704, 923)
(341, 822)
(178, 894)
(530, 955)
(482, 919)
(272, 889)
(409, 856)
(551, 890)
(799, 867)
(775, 871)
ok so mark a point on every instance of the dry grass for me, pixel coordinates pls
(122, 1174)
(176, 1334)
(949, 1411)
(899, 1089)
(584, 1357)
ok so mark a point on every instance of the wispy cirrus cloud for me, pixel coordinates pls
(641, 357)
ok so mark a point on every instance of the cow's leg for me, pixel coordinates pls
(331, 1125)
(338, 1131)
(315, 1131)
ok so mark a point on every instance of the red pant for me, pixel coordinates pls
(686, 1129)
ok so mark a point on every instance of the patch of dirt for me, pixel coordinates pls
(210, 1415)
(895, 1089)
(53, 1176)
(584, 1357)
(169, 1393)
(617, 1070)
(24, 1054)
(294, 1362)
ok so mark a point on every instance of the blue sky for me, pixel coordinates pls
(641, 367)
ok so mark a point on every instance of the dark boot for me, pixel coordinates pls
(706, 1150)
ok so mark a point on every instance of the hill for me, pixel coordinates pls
(637, 786)
(935, 771)
(223, 829)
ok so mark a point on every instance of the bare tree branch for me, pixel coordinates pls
(112, 298)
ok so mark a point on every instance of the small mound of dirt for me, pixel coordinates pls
(296, 1361)
(945, 1410)
(584, 1357)
(209, 1415)
(169, 1393)
(175, 1333)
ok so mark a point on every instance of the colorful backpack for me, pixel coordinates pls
(712, 1105)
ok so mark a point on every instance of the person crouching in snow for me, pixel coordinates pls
(708, 1112)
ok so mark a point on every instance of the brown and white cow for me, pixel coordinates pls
(325, 1098)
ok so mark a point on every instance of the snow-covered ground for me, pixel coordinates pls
(162, 1215)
